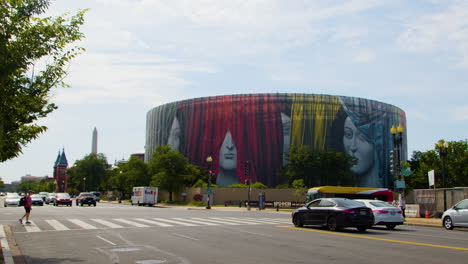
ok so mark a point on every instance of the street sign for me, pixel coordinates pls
(209, 191)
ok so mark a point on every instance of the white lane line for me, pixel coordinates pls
(128, 222)
(106, 240)
(215, 221)
(153, 222)
(57, 225)
(174, 222)
(8, 259)
(196, 239)
(236, 221)
(253, 233)
(195, 221)
(107, 223)
(263, 221)
(32, 227)
(82, 224)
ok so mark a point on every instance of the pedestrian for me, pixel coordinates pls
(403, 208)
(27, 207)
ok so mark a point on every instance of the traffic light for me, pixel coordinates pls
(392, 163)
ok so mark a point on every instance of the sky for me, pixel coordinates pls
(144, 53)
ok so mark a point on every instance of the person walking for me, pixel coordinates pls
(27, 208)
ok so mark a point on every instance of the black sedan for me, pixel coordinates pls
(334, 213)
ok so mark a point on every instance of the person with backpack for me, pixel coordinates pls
(27, 207)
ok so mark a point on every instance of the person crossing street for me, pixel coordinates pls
(27, 208)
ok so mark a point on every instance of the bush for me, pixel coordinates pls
(259, 185)
(198, 197)
(237, 186)
(200, 184)
(282, 186)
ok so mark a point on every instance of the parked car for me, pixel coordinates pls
(43, 195)
(12, 199)
(334, 213)
(36, 199)
(86, 198)
(63, 198)
(384, 213)
(50, 198)
(98, 196)
(457, 216)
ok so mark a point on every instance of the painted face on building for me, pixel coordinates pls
(357, 146)
(228, 153)
(174, 135)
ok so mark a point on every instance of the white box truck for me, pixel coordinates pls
(145, 195)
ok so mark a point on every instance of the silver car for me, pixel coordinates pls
(457, 216)
(12, 199)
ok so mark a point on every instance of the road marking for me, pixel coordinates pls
(107, 223)
(195, 221)
(57, 225)
(32, 227)
(106, 240)
(253, 233)
(131, 223)
(237, 221)
(174, 222)
(215, 221)
(82, 224)
(376, 238)
(260, 221)
(196, 239)
(7, 257)
(153, 222)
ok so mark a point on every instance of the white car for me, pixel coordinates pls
(12, 199)
(456, 216)
(384, 213)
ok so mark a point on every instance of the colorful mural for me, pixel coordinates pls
(257, 130)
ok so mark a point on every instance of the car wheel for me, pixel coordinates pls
(94, 204)
(331, 224)
(362, 229)
(81, 204)
(390, 226)
(297, 221)
(448, 224)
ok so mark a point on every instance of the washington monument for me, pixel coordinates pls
(94, 144)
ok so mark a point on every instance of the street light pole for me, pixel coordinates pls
(209, 160)
(443, 147)
(397, 135)
(84, 184)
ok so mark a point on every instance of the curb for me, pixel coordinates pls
(11, 251)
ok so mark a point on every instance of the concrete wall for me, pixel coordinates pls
(433, 200)
(222, 195)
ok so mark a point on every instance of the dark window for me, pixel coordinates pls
(314, 203)
(327, 203)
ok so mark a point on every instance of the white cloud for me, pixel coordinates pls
(460, 113)
(444, 31)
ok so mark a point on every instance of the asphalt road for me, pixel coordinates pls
(113, 233)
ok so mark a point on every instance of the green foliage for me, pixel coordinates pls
(36, 186)
(259, 185)
(88, 174)
(168, 169)
(2, 184)
(238, 185)
(128, 175)
(423, 162)
(300, 188)
(282, 186)
(28, 38)
(200, 184)
(320, 168)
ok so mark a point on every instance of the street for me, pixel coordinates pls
(114, 233)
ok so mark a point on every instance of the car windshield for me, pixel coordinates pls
(86, 194)
(12, 195)
(36, 196)
(63, 195)
(380, 204)
(348, 203)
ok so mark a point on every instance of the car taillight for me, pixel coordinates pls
(400, 212)
(349, 211)
(380, 211)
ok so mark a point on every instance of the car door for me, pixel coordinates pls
(311, 215)
(460, 216)
(326, 208)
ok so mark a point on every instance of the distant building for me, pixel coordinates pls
(60, 172)
(28, 177)
(141, 156)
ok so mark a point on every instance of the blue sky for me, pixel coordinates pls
(144, 53)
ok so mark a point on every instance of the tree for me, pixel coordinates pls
(299, 187)
(2, 184)
(168, 169)
(128, 175)
(89, 173)
(27, 40)
(299, 164)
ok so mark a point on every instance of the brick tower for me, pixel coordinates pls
(60, 172)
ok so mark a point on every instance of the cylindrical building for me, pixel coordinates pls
(248, 135)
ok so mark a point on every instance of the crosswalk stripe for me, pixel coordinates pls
(32, 227)
(260, 221)
(57, 225)
(130, 222)
(216, 221)
(107, 223)
(195, 221)
(236, 221)
(174, 222)
(82, 224)
(153, 222)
